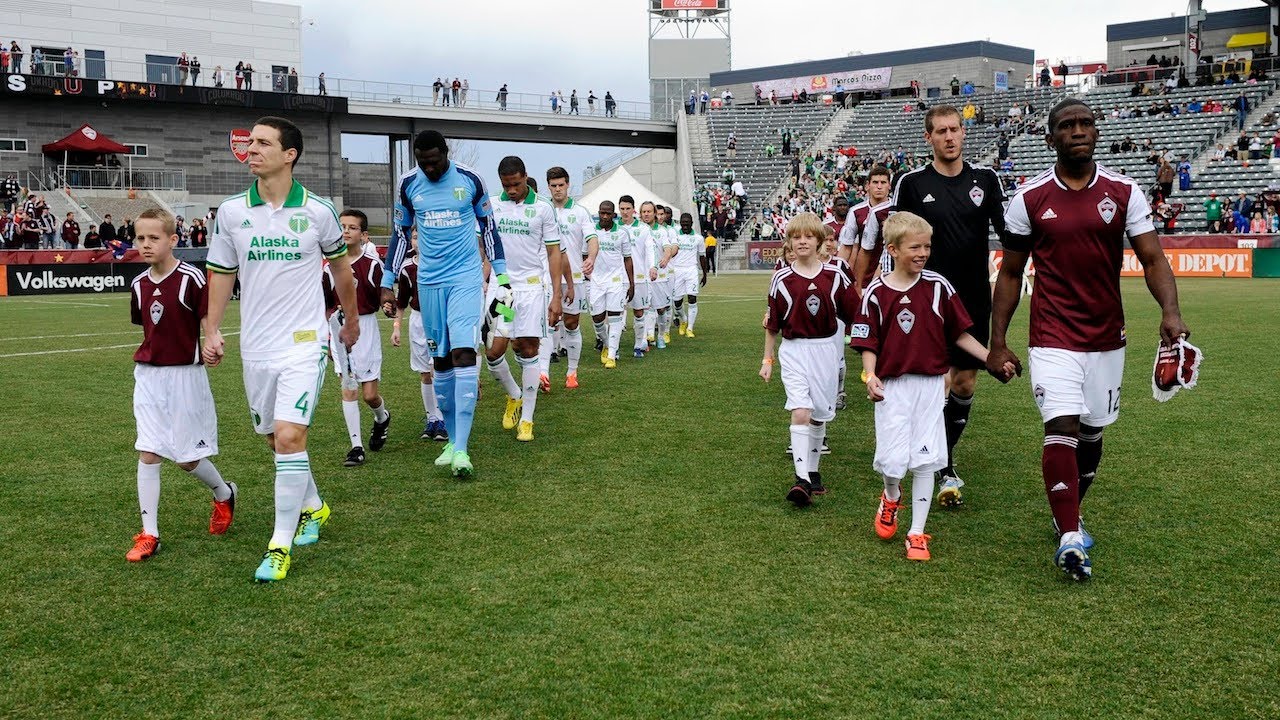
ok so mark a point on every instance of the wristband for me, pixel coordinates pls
(503, 279)
(767, 361)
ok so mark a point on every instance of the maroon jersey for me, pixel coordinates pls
(871, 238)
(836, 226)
(803, 307)
(368, 273)
(1076, 240)
(910, 330)
(407, 286)
(330, 295)
(169, 311)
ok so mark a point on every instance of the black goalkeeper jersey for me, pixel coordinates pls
(962, 210)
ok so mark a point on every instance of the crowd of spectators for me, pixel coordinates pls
(1246, 214)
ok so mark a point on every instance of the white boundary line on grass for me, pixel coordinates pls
(92, 349)
(55, 302)
(75, 335)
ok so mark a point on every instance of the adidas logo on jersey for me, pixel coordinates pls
(905, 300)
(812, 286)
(1059, 486)
(1049, 214)
(928, 198)
(202, 445)
(246, 224)
(155, 292)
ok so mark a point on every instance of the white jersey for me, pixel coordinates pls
(615, 245)
(278, 255)
(576, 227)
(641, 249)
(691, 247)
(526, 227)
(668, 242)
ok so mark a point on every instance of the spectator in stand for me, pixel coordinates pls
(610, 105)
(1275, 144)
(555, 103)
(1219, 153)
(435, 91)
(68, 62)
(9, 190)
(4, 58)
(184, 69)
(15, 57)
(691, 104)
(1170, 84)
(1242, 147)
(466, 85)
(1213, 213)
(456, 90)
(445, 91)
(239, 75)
(107, 229)
(1184, 174)
(30, 233)
(92, 240)
(1255, 147)
(1243, 205)
(704, 99)
(1164, 177)
(126, 232)
(48, 226)
(248, 76)
(180, 229)
(1258, 225)
(1046, 79)
(731, 145)
(967, 88)
(195, 70)
(219, 76)
(1195, 106)
(769, 150)
(955, 86)
(502, 97)
(591, 102)
(37, 62)
(1273, 220)
(199, 235)
(70, 232)
(6, 227)
(323, 90)
(293, 80)
(786, 140)
(1241, 106)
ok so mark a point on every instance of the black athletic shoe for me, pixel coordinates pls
(815, 484)
(800, 494)
(378, 436)
(599, 344)
(355, 457)
(555, 357)
(564, 352)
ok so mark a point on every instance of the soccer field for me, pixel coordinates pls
(638, 558)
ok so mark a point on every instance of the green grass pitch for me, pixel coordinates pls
(638, 558)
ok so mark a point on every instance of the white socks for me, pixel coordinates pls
(351, 414)
(693, 314)
(206, 473)
(529, 376)
(816, 434)
(650, 323)
(800, 439)
(573, 343)
(429, 403)
(921, 498)
(149, 496)
(615, 335)
(501, 371)
(545, 348)
(311, 499)
(293, 474)
(638, 326)
(380, 413)
(892, 488)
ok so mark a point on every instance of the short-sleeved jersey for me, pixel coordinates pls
(837, 227)
(614, 246)
(407, 286)
(278, 253)
(576, 227)
(871, 239)
(169, 310)
(1076, 240)
(803, 307)
(527, 227)
(664, 241)
(910, 330)
(962, 211)
(330, 295)
(690, 247)
(642, 257)
(446, 214)
(367, 270)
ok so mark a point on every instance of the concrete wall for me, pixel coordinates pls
(367, 186)
(193, 138)
(219, 32)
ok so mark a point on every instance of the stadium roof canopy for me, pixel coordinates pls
(1177, 26)
(893, 58)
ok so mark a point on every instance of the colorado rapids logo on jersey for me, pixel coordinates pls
(976, 195)
(1107, 209)
(813, 303)
(156, 311)
(906, 320)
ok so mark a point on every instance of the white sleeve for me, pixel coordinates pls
(329, 232)
(550, 228)
(870, 232)
(1138, 220)
(222, 255)
(626, 243)
(846, 233)
(1016, 220)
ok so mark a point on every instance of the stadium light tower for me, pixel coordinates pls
(688, 40)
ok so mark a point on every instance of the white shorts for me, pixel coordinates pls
(284, 389)
(640, 300)
(607, 297)
(530, 305)
(174, 410)
(1067, 382)
(682, 284)
(580, 302)
(419, 353)
(660, 292)
(365, 355)
(810, 376)
(910, 432)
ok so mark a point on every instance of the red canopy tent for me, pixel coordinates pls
(86, 140)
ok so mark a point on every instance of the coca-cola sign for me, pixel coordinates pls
(690, 4)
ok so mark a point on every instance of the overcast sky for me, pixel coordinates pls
(544, 45)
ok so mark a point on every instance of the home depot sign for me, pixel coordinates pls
(1186, 262)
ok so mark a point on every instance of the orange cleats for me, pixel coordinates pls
(544, 383)
(887, 518)
(918, 546)
(223, 512)
(144, 546)
(571, 381)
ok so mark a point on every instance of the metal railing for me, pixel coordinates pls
(488, 99)
(93, 177)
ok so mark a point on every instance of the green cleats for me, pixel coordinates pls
(461, 465)
(275, 564)
(309, 525)
(446, 457)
